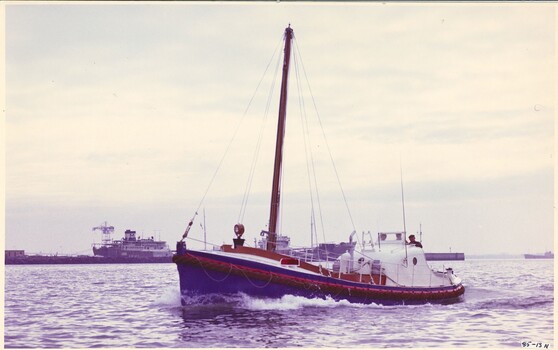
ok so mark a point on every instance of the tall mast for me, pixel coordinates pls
(276, 190)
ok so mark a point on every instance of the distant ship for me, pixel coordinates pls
(322, 252)
(130, 246)
(547, 255)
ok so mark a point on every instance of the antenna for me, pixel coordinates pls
(311, 229)
(403, 204)
(204, 232)
(402, 197)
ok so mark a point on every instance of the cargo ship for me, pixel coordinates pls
(547, 255)
(128, 250)
(130, 246)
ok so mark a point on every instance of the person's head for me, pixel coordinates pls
(412, 238)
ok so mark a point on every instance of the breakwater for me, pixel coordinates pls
(81, 259)
(444, 256)
(88, 259)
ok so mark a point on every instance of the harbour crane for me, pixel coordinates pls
(106, 230)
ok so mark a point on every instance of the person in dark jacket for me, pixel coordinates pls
(413, 242)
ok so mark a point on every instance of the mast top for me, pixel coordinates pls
(289, 30)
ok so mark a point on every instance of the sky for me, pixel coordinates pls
(122, 113)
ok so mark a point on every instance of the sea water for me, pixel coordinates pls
(507, 303)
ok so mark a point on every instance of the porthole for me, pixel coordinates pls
(415, 261)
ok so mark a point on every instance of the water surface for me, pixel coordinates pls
(138, 305)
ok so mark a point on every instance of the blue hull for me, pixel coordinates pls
(198, 281)
(202, 273)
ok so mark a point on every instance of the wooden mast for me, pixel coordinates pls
(276, 190)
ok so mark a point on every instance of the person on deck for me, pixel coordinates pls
(413, 242)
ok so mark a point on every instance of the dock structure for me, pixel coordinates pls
(80, 259)
(9, 253)
(444, 256)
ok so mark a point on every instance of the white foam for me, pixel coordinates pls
(291, 302)
(170, 297)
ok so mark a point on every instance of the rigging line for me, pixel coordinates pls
(313, 165)
(229, 145)
(281, 197)
(303, 118)
(258, 145)
(199, 240)
(327, 144)
(308, 152)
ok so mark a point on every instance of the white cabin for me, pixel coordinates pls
(401, 263)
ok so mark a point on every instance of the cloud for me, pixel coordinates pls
(133, 107)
